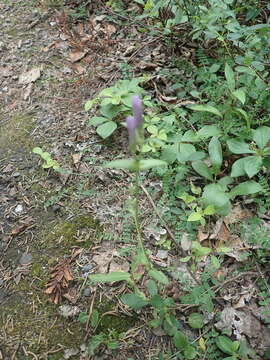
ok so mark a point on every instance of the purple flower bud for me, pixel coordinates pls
(137, 108)
(134, 122)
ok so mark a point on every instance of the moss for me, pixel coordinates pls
(81, 230)
(119, 323)
(15, 134)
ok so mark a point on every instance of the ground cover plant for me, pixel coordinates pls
(135, 187)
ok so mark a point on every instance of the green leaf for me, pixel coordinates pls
(94, 342)
(246, 70)
(190, 353)
(184, 151)
(150, 163)
(261, 136)
(37, 150)
(130, 164)
(159, 276)
(226, 180)
(195, 321)
(83, 317)
(238, 168)
(214, 194)
(94, 318)
(252, 165)
(106, 129)
(240, 95)
(207, 108)
(229, 75)
(195, 216)
(209, 210)
(215, 153)
(209, 131)
(199, 250)
(113, 344)
(157, 302)
(225, 344)
(88, 105)
(180, 341)
(243, 113)
(96, 120)
(202, 169)
(152, 287)
(239, 147)
(111, 277)
(245, 188)
(134, 301)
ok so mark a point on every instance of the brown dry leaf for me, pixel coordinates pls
(76, 158)
(19, 229)
(103, 259)
(168, 99)
(220, 232)
(237, 214)
(7, 169)
(78, 68)
(143, 65)
(110, 29)
(30, 76)
(76, 56)
(115, 267)
(28, 91)
(201, 236)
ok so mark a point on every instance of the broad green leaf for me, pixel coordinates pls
(180, 340)
(214, 194)
(152, 287)
(110, 110)
(113, 344)
(190, 353)
(229, 75)
(150, 163)
(209, 210)
(245, 188)
(130, 164)
(240, 95)
(225, 344)
(83, 317)
(134, 301)
(197, 155)
(159, 276)
(157, 302)
(170, 325)
(94, 343)
(243, 113)
(190, 136)
(202, 169)
(184, 151)
(199, 250)
(106, 129)
(209, 131)
(226, 180)
(246, 70)
(195, 216)
(206, 108)
(261, 136)
(239, 147)
(195, 321)
(96, 120)
(252, 165)
(238, 168)
(88, 105)
(215, 153)
(111, 277)
(37, 150)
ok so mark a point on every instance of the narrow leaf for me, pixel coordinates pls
(240, 95)
(111, 277)
(202, 169)
(130, 164)
(215, 152)
(229, 75)
(159, 276)
(150, 163)
(207, 108)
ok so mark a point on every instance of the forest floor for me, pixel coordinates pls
(56, 228)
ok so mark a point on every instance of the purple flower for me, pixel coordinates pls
(134, 122)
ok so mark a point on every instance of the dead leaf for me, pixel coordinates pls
(237, 214)
(110, 29)
(220, 232)
(201, 236)
(78, 68)
(115, 267)
(76, 56)
(30, 76)
(28, 91)
(7, 169)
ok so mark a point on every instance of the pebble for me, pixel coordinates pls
(87, 292)
(162, 254)
(25, 259)
(18, 209)
(87, 268)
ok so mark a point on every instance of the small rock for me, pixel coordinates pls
(162, 254)
(69, 310)
(16, 174)
(87, 268)
(87, 292)
(18, 209)
(25, 259)
(68, 353)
